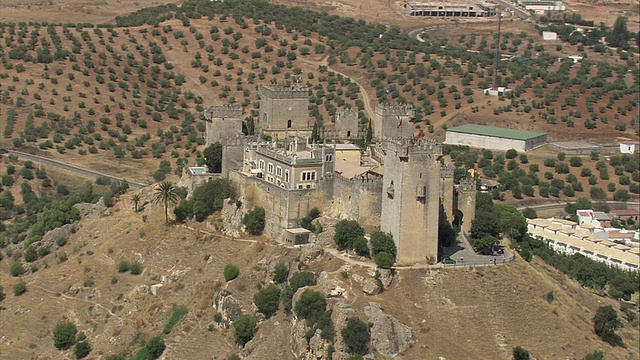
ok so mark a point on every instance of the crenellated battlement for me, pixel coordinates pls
(446, 171)
(223, 111)
(275, 91)
(240, 140)
(386, 109)
(467, 185)
(414, 145)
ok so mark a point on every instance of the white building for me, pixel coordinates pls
(627, 148)
(549, 35)
(569, 238)
(490, 137)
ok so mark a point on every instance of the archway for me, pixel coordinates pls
(457, 218)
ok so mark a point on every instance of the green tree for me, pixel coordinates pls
(254, 220)
(245, 328)
(346, 233)
(485, 223)
(356, 335)
(606, 323)
(530, 213)
(485, 244)
(280, 273)
(384, 260)
(64, 335)
(267, 300)
(361, 246)
(166, 194)
(213, 157)
(297, 281)
(619, 35)
(383, 242)
(230, 272)
(310, 305)
(520, 354)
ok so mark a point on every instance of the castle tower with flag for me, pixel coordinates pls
(393, 121)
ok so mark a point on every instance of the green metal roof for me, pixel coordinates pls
(496, 132)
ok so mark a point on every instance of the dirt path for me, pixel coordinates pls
(368, 107)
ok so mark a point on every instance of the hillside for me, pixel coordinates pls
(454, 314)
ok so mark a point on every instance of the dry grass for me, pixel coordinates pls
(456, 314)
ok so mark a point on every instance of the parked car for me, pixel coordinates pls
(448, 261)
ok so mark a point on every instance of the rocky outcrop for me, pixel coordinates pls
(342, 311)
(49, 239)
(231, 215)
(316, 348)
(330, 286)
(310, 252)
(91, 211)
(227, 306)
(370, 286)
(388, 335)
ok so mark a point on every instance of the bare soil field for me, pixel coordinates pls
(73, 11)
(455, 314)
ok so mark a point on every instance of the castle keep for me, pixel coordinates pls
(284, 108)
(289, 175)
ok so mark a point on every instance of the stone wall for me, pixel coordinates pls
(484, 142)
(358, 199)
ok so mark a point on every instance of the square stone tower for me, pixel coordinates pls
(222, 122)
(284, 108)
(393, 121)
(411, 198)
(347, 124)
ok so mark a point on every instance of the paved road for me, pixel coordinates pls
(521, 13)
(75, 169)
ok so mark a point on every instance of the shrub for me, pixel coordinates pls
(155, 347)
(280, 273)
(61, 241)
(16, 269)
(30, 254)
(64, 335)
(177, 313)
(356, 336)
(231, 272)
(596, 355)
(82, 349)
(136, 268)
(254, 221)
(19, 288)
(123, 266)
(245, 328)
(267, 300)
(520, 354)
(1, 293)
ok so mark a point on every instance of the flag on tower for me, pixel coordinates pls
(420, 135)
(399, 124)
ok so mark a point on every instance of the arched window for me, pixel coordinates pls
(289, 124)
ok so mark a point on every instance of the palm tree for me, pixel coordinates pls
(166, 194)
(136, 199)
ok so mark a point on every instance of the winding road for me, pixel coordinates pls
(68, 167)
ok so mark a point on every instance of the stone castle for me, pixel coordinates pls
(400, 185)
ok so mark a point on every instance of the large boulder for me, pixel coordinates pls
(49, 239)
(371, 286)
(227, 306)
(232, 217)
(388, 335)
